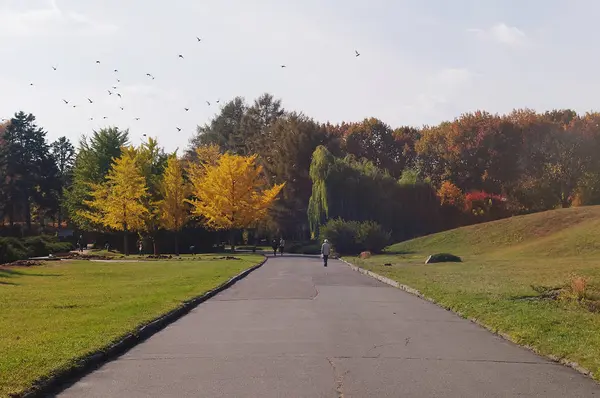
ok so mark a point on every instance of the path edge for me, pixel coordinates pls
(415, 292)
(65, 378)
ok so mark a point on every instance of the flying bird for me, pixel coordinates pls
(149, 75)
(180, 56)
(91, 118)
(31, 84)
(199, 39)
(119, 95)
(218, 101)
(54, 67)
(104, 117)
(178, 129)
(357, 53)
(91, 102)
(137, 118)
(144, 135)
(116, 70)
(97, 62)
(186, 109)
(66, 102)
(283, 66)
(109, 92)
(118, 80)
(208, 103)
(122, 108)
(114, 87)
(74, 106)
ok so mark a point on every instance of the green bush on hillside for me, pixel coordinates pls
(353, 237)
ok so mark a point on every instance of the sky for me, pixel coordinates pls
(421, 61)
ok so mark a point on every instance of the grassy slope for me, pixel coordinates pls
(502, 260)
(56, 313)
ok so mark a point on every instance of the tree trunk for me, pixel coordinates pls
(232, 240)
(154, 246)
(28, 213)
(125, 246)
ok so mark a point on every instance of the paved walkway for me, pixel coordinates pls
(296, 329)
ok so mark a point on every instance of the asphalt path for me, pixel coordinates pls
(296, 329)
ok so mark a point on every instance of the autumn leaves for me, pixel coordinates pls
(225, 191)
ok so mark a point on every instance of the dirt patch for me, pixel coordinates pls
(23, 263)
(226, 258)
(160, 257)
(80, 256)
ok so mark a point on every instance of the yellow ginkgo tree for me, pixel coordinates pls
(173, 209)
(230, 191)
(118, 203)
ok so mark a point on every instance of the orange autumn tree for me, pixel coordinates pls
(119, 202)
(230, 191)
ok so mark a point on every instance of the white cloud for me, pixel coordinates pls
(441, 89)
(503, 34)
(49, 20)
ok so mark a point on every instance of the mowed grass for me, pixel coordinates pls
(53, 314)
(501, 262)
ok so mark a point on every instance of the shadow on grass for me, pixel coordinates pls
(8, 283)
(13, 273)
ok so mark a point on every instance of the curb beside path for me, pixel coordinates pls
(408, 289)
(67, 377)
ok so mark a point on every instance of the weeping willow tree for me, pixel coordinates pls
(318, 204)
(356, 190)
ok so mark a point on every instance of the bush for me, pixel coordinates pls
(310, 247)
(372, 236)
(13, 249)
(353, 237)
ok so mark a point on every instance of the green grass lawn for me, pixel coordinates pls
(58, 312)
(501, 262)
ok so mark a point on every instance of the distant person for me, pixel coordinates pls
(274, 246)
(281, 246)
(325, 251)
(80, 243)
(193, 250)
(107, 246)
(140, 247)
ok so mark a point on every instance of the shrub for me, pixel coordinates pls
(12, 249)
(451, 195)
(372, 236)
(310, 247)
(353, 237)
(443, 258)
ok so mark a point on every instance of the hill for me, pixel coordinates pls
(556, 233)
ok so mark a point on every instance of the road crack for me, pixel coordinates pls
(338, 378)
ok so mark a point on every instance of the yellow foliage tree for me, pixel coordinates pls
(173, 209)
(118, 203)
(231, 193)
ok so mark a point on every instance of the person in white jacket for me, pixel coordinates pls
(325, 251)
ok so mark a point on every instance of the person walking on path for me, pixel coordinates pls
(325, 251)
(281, 246)
(274, 246)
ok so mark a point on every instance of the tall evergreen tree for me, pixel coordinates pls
(30, 174)
(64, 156)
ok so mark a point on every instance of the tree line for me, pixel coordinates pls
(410, 180)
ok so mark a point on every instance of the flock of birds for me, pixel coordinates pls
(113, 90)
